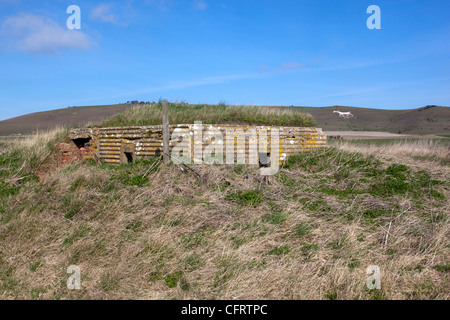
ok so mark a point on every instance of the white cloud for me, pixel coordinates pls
(104, 13)
(200, 4)
(290, 66)
(36, 34)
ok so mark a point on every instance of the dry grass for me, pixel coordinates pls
(21, 158)
(421, 147)
(34, 144)
(309, 232)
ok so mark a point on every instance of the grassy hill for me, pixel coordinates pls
(427, 120)
(68, 117)
(148, 230)
(210, 114)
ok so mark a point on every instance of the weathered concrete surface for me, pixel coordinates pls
(120, 145)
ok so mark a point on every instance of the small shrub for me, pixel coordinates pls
(184, 285)
(331, 295)
(172, 279)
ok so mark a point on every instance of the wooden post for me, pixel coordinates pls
(166, 133)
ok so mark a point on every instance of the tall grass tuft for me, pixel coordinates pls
(21, 158)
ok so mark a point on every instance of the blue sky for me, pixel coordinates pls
(299, 52)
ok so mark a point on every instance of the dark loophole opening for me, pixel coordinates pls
(264, 160)
(129, 156)
(81, 142)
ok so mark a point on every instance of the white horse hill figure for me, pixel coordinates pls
(345, 115)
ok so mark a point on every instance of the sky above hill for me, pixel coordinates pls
(299, 52)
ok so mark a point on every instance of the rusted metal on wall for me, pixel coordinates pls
(124, 144)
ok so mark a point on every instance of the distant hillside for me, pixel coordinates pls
(426, 120)
(75, 116)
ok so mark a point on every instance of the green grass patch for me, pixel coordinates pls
(134, 226)
(278, 251)
(318, 206)
(172, 279)
(196, 239)
(309, 249)
(331, 295)
(302, 229)
(443, 267)
(78, 234)
(250, 198)
(109, 283)
(339, 243)
(139, 180)
(79, 183)
(353, 264)
(276, 217)
(35, 265)
(74, 209)
(227, 266)
(193, 262)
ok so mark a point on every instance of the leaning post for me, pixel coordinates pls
(166, 133)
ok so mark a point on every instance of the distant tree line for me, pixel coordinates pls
(140, 102)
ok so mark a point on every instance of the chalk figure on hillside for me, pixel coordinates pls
(345, 115)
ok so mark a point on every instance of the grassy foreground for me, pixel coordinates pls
(146, 115)
(150, 231)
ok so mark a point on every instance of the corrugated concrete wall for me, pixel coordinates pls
(122, 144)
